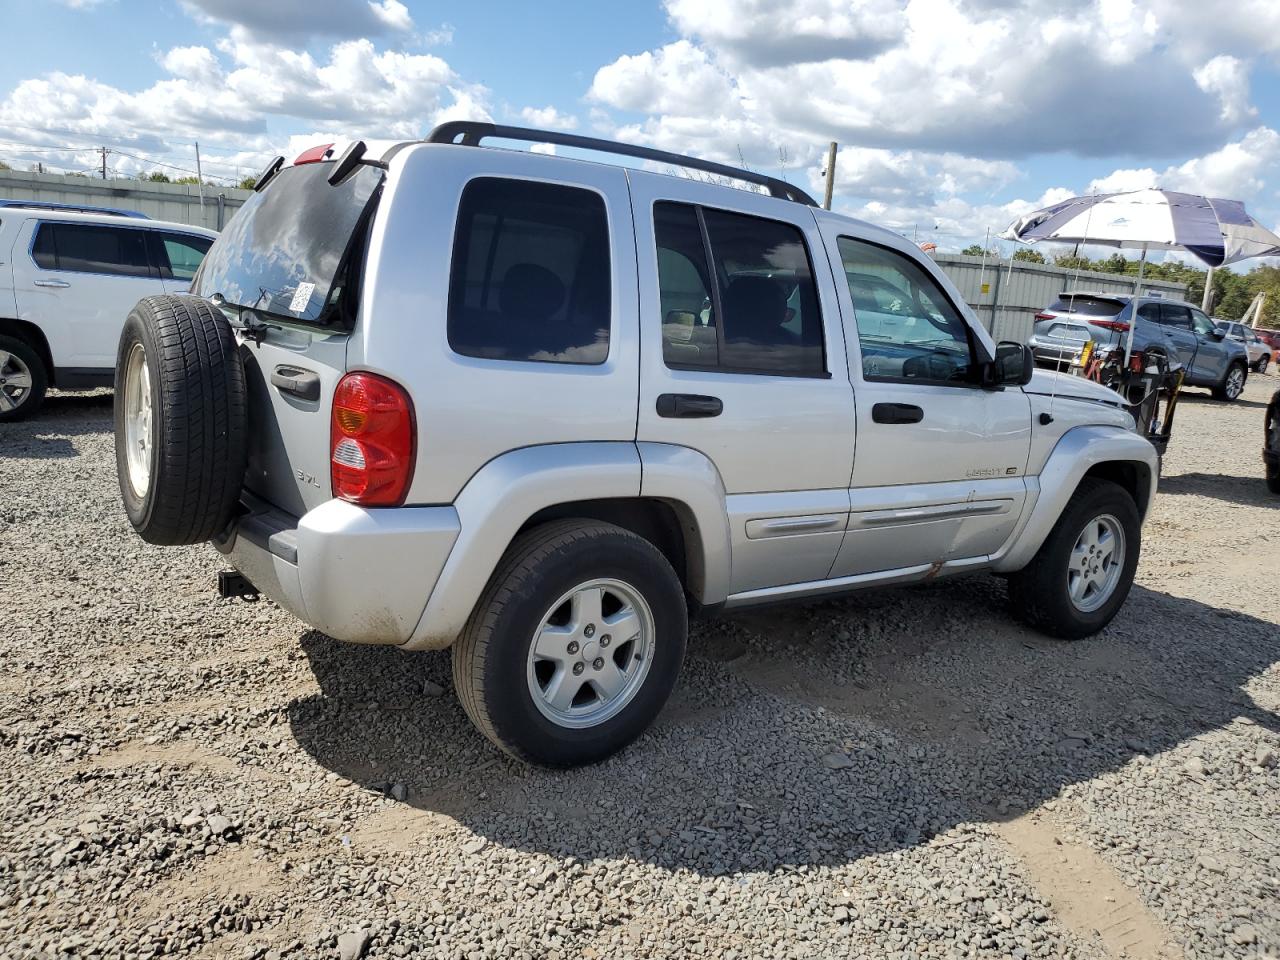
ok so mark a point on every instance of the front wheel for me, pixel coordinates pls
(1232, 384)
(575, 644)
(1081, 575)
(23, 379)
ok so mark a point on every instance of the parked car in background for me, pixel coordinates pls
(1179, 330)
(1258, 351)
(1271, 338)
(457, 396)
(68, 278)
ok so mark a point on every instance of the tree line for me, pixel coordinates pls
(1232, 291)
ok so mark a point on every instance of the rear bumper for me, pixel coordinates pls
(1055, 351)
(360, 575)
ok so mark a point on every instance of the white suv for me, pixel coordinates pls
(68, 277)
(537, 408)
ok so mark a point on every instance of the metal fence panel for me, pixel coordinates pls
(1007, 302)
(177, 202)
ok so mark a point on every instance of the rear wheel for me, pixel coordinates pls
(1082, 573)
(1232, 384)
(1264, 363)
(575, 645)
(23, 379)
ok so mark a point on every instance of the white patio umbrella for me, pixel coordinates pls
(1216, 231)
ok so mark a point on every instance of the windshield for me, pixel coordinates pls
(283, 249)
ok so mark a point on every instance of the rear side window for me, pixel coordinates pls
(530, 273)
(181, 255)
(1087, 306)
(1151, 312)
(746, 303)
(86, 248)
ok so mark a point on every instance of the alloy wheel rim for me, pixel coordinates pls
(1235, 382)
(15, 382)
(1097, 560)
(591, 653)
(138, 420)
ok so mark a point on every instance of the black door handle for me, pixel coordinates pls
(688, 405)
(304, 384)
(896, 413)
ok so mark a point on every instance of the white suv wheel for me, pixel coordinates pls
(139, 419)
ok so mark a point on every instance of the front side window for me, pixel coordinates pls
(907, 328)
(182, 255)
(530, 273)
(88, 248)
(747, 303)
(1198, 321)
(1175, 315)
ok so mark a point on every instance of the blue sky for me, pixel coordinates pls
(952, 115)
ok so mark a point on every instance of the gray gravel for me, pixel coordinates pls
(902, 773)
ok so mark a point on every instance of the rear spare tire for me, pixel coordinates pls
(180, 409)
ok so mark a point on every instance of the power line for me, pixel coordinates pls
(68, 148)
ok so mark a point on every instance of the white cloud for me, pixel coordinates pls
(291, 20)
(224, 96)
(676, 79)
(548, 118)
(1227, 77)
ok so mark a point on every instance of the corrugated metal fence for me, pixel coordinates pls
(1008, 302)
(177, 202)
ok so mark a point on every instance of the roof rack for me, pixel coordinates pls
(472, 132)
(72, 208)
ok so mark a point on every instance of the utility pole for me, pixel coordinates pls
(1206, 302)
(104, 151)
(831, 175)
(200, 181)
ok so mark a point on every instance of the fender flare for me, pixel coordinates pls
(1078, 451)
(495, 504)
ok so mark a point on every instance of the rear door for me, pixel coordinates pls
(742, 358)
(286, 270)
(78, 282)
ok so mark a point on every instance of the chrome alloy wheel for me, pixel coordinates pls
(1235, 382)
(15, 382)
(138, 420)
(1097, 561)
(591, 653)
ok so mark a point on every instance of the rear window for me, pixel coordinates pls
(85, 248)
(283, 250)
(530, 273)
(1087, 306)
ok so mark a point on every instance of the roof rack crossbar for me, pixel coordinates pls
(473, 132)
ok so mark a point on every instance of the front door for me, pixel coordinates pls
(742, 359)
(1212, 352)
(939, 470)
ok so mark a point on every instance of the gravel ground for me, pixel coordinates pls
(902, 773)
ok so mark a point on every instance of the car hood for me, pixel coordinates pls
(1049, 382)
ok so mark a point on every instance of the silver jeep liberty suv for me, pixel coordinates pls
(538, 408)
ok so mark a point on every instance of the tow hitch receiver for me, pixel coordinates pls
(233, 583)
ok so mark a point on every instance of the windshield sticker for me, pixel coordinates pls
(301, 297)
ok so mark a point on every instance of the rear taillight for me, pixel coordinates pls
(1110, 325)
(1046, 316)
(371, 441)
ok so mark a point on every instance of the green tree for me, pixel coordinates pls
(4, 166)
(248, 183)
(1029, 256)
(156, 176)
(975, 250)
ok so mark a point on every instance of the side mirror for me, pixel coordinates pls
(1013, 366)
(1218, 334)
